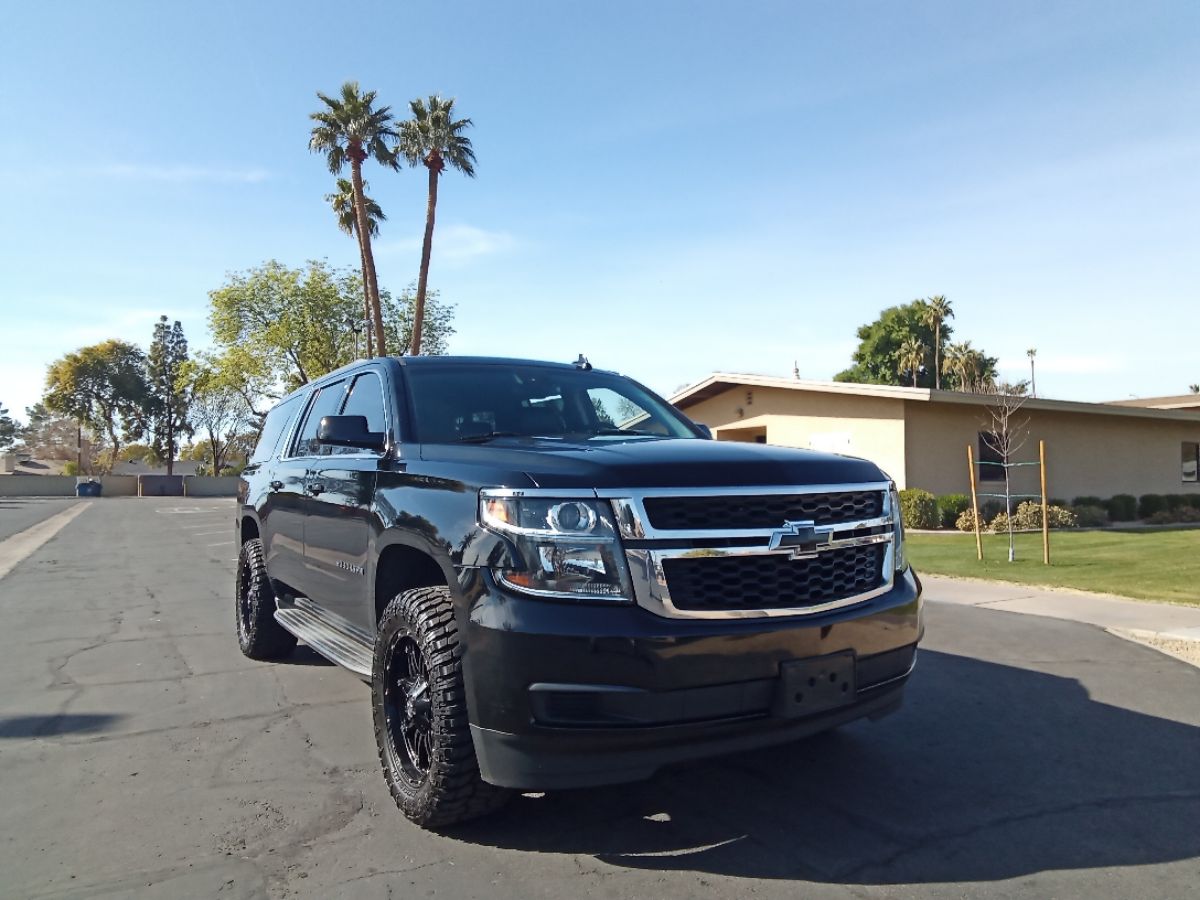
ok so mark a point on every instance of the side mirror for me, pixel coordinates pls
(704, 430)
(349, 431)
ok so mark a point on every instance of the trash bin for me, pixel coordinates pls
(87, 489)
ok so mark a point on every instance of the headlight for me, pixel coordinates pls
(568, 547)
(900, 553)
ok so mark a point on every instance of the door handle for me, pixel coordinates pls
(315, 488)
(276, 485)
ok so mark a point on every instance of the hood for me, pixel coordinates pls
(644, 463)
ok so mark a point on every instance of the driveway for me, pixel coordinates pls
(142, 755)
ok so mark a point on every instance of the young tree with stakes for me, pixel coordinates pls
(1005, 436)
(351, 128)
(435, 139)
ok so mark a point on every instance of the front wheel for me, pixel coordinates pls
(420, 713)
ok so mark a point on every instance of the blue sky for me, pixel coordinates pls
(670, 188)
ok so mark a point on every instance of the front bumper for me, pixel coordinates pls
(565, 695)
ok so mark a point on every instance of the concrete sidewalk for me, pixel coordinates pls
(1172, 628)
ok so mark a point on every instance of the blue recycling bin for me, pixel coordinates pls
(87, 489)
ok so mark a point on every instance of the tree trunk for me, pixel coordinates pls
(364, 234)
(937, 366)
(366, 301)
(434, 166)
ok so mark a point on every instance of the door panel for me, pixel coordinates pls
(283, 524)
(337, 536)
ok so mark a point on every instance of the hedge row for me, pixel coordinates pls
(921, 509)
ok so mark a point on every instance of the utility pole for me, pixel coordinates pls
(1031, 353)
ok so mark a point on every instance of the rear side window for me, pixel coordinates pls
(366, 400)
(273, 430)
(326, 404)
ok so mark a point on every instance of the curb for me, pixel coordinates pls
(1182, 644)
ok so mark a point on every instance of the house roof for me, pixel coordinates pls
(719, 382)
(1177, 401)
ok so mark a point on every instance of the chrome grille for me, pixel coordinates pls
(772, 581)
(684, 513)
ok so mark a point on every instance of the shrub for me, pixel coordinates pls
(989, 509)
(1175, 501)
(1150, 505)
(1090, 516)
(1029, 515)
(950, 507)
(1173, 516)
(1000, 523)
(966, 520)
(1122, 508)
(919, 508)
(1087, 501)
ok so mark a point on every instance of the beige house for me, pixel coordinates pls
(920, 436)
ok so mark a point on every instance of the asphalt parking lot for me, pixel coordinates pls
(142, 755)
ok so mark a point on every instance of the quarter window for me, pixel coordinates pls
(1191, 460)
(326, 403)
(273, 429)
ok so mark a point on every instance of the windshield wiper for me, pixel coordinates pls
(632, 431)
(487, 436)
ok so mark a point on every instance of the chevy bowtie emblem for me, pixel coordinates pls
(801, 538)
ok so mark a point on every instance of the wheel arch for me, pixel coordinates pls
(402, 566)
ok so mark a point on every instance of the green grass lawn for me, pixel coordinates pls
(1149, 565)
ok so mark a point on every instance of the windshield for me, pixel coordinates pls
(476, 403)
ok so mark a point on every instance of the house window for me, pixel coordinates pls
(1191, 461)
(989, 458)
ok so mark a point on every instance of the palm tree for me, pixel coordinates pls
(1031, 353)
(937, 310)
(912, 354)
(351, 128)
(434, 139)
(342, 202)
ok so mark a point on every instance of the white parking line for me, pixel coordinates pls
(20, 545)
(220, 543)
(209, 533)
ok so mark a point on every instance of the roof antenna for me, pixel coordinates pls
(582, 363)
(796, 369)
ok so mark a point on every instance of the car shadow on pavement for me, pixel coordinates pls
(990, 772)
(53, 725)
(304, 655)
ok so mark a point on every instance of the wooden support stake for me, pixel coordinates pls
(1045, 505)
(974, 503)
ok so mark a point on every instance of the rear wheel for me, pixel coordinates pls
(420, 713)
(259, 635)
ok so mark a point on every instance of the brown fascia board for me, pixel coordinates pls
(722, 381)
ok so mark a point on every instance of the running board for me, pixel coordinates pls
(328, 639)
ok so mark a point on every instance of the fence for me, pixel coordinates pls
(119, 486)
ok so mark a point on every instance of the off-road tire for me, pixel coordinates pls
(451, 790)
(259, 635)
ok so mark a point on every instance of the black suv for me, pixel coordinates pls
(551, 578)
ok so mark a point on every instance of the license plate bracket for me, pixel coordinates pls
(810, 686)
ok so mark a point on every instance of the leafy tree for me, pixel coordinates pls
(168, 406)
(937, 310)
(433, 138)
(351, 128)
(103, 386)
(968, 369)
(1194, 388)
(276, 328)
(877, 358)
(218, 411)
(8, 429)
(342, 202)
(911, 358)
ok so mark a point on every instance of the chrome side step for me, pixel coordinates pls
(332, 640)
